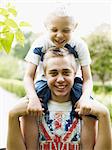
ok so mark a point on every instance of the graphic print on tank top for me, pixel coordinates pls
(58, 130)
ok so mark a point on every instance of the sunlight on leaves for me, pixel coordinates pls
(7, 41)
(24, 24)
(20, 37)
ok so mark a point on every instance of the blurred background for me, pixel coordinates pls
(94, 26)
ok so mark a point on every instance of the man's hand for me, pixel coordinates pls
(35, 107)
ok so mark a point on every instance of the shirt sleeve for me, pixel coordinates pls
(34, 53)
(83, 53)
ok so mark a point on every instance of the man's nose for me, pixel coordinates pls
(60, 78)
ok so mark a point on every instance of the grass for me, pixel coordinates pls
(14, 86)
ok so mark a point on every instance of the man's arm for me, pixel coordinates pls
(29, 128)
(15, 139)
(103, 141)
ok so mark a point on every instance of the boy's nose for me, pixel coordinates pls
(59, 34)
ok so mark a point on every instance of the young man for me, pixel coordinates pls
(60, 69)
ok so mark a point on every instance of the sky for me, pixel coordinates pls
(89, 13)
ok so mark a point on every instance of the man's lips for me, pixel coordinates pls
(61, 87)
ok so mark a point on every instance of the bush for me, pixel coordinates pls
(11, 67)
(98, 89)
(14, 86)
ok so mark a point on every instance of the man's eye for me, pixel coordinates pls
(53, 74)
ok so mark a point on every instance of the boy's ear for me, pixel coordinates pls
(76, 25)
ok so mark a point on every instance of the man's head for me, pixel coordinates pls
(60, 26)
(60, 69)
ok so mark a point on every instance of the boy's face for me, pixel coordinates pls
(60, 30)
(60, 77)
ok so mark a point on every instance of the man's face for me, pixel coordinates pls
(60, 30)
(60, 77)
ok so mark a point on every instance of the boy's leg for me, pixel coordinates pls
(43, 92)
(88, 133)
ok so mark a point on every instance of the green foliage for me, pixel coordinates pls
(100, 48)
(14, 86)
(98, 89)
(20, 51)
(109, 106)
(11, 67)
(10, 28)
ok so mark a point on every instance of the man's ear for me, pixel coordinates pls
(74, 74)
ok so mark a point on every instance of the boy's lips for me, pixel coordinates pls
(59, 41)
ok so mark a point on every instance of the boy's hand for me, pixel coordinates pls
(83, 107)
(35, 107)
(20, 109)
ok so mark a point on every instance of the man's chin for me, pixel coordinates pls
(61, 94)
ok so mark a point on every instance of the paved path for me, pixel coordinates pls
(7, 100)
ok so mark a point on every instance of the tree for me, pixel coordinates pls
(101, 52)
(9, 28)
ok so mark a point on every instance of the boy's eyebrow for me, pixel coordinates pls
(67, 70)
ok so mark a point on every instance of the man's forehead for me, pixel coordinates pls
(57, 63)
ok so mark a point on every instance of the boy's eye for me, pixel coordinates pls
(66, 30)
(54, 30)
(66, 73)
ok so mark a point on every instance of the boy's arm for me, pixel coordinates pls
(84, 102)
(34, 105)
(87, 82)
(29, 80)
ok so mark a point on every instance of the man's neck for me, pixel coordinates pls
(60, 99)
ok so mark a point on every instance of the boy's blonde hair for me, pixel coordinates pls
(59, 52)
(62, 11)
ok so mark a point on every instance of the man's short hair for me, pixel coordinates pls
(59, 52)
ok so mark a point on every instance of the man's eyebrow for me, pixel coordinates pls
(53, 70)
